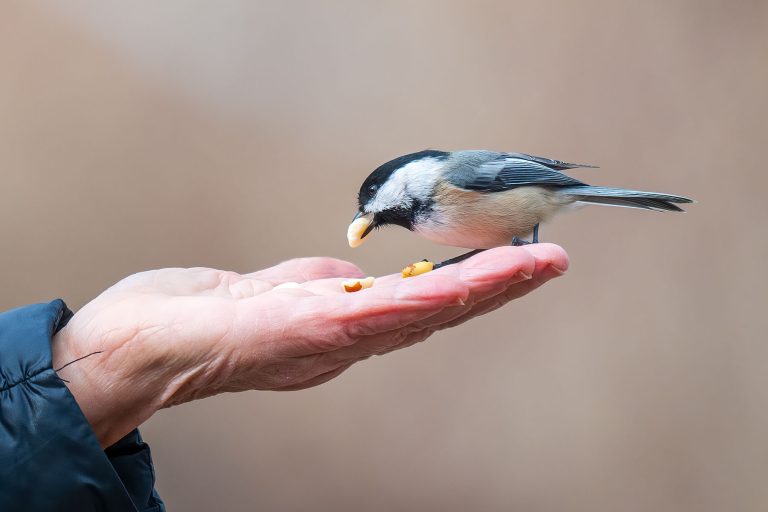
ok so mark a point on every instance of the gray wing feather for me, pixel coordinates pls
(558, 165)
(487, 171)
(503, 171)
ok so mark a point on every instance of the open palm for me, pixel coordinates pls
(169, 336)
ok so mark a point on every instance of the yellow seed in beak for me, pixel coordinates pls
(357, 228)
(418, 268)
(355, 285)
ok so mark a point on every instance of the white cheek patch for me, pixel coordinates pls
(413, 181)
(391, 194)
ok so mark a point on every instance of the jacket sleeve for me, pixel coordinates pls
(50, 458)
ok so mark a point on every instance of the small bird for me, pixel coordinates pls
(481, 199)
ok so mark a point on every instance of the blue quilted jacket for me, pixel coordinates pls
(50, 459)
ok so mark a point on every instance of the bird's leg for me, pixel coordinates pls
(458, 259)
(517, 241)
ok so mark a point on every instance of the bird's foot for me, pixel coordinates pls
(517, 242)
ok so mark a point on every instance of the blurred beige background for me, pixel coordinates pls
(137, 135)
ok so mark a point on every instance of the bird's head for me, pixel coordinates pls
(396, 192)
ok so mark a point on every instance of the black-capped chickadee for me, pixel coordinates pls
(480, 199)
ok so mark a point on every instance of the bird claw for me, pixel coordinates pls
(517, 242)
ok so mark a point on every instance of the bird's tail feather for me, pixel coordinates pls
(623, 197)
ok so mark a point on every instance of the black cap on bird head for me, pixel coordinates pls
(382, 202)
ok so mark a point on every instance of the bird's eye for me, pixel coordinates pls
(372, 189)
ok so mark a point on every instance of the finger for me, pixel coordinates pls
(300, 270)
(484, 285)
(549, 262)
(318, 324)
(548, 254)
(490, 272)
(392, 306)
(510, 266)
(335, 285)
(515, 291)
(486, 273)
(421, 329)
(452, 313)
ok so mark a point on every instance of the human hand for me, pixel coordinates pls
(170, 336)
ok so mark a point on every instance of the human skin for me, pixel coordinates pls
(170, 336)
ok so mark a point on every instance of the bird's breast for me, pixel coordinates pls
(481, 220)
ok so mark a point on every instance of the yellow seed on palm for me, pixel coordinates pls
(355, 285)
(418, 268)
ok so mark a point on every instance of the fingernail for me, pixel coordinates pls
(522, 275)
(556, 270)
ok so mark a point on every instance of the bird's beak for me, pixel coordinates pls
(362, 224)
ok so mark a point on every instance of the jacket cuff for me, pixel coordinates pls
(50, 458)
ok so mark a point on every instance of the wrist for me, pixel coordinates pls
(105, 391)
